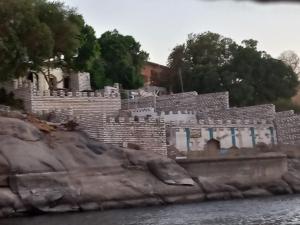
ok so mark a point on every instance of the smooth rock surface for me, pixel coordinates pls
(256, 192)
(65, 171)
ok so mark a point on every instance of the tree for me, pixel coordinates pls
(212, 63)
(291, 59)
(255, 77)
(89, 58)
(37, 35)
(123, 59)
(175, 62)
(199, 60)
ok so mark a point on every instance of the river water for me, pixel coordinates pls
(284, 210)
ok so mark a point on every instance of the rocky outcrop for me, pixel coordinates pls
(216, 191)
(293, 179)
(63, 171)
(66, 171)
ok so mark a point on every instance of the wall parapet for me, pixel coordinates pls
(266, 111)
(222, 123)
(178, 112)
(77, 94)
(190, 101)
(148, 133)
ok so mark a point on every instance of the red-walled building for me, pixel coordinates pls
(151, 70)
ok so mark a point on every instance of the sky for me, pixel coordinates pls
(159, 25)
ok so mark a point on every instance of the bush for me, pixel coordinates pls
(10, 100)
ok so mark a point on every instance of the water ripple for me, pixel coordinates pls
(284, 210)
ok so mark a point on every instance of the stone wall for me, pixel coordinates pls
(80, 102)
(190, 101)
(24, 93)
(80, 81)
(288, 129)
(169, 116)
(211, 102)
(266, 111)
(148, 134)
(258, 169)
(285, 113)
(104, 101)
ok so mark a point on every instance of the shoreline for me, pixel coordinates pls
(148, 207)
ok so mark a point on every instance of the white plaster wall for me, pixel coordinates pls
(196, 142)
(245, 138)
(180, 139)
(78, 81)
(206, 137)
(224, 136)
(264, 136)
(42, 83)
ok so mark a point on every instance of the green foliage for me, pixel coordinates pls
(123, 59)
(211, 63)
(34, 31)
(89, 57)
(36, 35)
(9, 100)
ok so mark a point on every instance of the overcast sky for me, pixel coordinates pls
(161, 24)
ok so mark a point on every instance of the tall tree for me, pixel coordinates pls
(254, 77)
(200, 59)
(291, 59)
(37, 35)
(211, 62)
(89, 58)
(123, 59)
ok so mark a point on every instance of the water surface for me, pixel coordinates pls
(284, 210)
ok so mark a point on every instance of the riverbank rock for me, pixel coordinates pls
(62, 171)
(278, 187)
(293, 179)
(19, 129)
(256, 192)
(169, 172)
(218, 191)
(66, 171)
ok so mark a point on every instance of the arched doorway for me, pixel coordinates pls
(213, 145)
(212, 148)
(67, 83)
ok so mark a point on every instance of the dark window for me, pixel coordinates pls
(67, 82)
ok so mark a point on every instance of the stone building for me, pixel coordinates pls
(96, 112)
(74, 81)
(151, 70)
(193, 120)
(184, 122)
